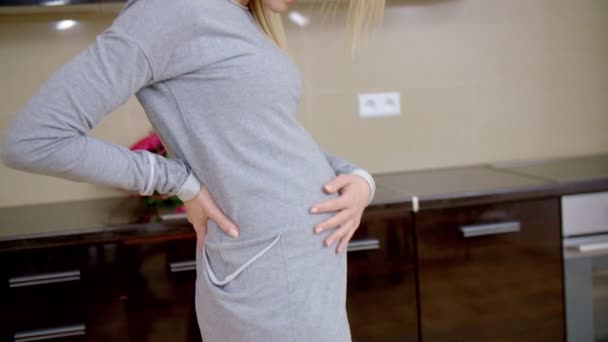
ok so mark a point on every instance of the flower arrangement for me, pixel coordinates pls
(156, 201)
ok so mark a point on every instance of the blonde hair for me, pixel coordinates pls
(362, 15)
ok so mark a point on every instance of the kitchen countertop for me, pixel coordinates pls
(563, 170)
(84, 222)
(453, 184)
(477, 184)
(120, 219)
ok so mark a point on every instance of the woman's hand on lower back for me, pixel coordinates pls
(202, 208)
(354, 193)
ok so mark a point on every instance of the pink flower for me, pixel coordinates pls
(149, 143)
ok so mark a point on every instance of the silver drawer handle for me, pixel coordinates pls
(363, 245)
(592, 247)
(182, 266)
(490, 229)
(45, 334)
(46, 278)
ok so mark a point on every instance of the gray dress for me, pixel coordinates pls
(224, 100)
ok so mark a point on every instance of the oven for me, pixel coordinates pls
(585, 247)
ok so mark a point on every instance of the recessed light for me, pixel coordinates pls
(55, 3)
(298, 18)
(65, 24)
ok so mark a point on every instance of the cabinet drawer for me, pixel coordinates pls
(44, 266)
(41, 290)
(95, 268)
(37, 311)
(483, 270)
(585, 213)
(46, 292)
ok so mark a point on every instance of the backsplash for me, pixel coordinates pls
(480, 81)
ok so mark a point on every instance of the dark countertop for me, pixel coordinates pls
(478, 184)
(123, 219)
(84, 222)
(563, 170)
(453, 184)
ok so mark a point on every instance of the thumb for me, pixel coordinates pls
(336, 184)
(201, 233)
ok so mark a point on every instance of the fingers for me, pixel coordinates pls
(340, 218)
(203, 209)
(337, 183)
(343, 232)
(344, 240)
(216, 214)
(225, 224)
(331, 205)
(345, 200)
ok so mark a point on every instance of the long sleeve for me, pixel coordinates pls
(48, 136)
(341, 166)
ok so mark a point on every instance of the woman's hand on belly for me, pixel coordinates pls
(202, 208)
(354, 196)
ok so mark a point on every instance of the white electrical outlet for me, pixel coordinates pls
(379, 104)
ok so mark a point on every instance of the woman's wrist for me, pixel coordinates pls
(190, 188)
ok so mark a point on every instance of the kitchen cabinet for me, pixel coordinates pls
(107, 292)
(491, 272)
(460, 254)
(381, 299)
(57, 292)
(142, 289)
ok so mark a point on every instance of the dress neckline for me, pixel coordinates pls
(235, 2)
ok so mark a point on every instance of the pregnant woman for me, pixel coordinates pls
(223, 95)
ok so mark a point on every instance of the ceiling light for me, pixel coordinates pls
(298, 18)
(65, 24)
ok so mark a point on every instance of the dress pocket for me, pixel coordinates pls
(235, 257)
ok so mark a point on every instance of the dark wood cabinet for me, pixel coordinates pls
(458, 254)
(106, 292)
(159, 280)
(491, 272)
(143, 289)
(381, 300)
(487, 272)
(381, 293)
(42, 293)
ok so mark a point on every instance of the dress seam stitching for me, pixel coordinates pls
(197, 281)
(291, 325)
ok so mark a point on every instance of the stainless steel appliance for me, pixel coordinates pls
(585, 232)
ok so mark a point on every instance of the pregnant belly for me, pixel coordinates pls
(269, 197)
(265, 215)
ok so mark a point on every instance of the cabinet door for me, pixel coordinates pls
(491, 273)
(105, 314)
(381, 296)
(159, 279)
